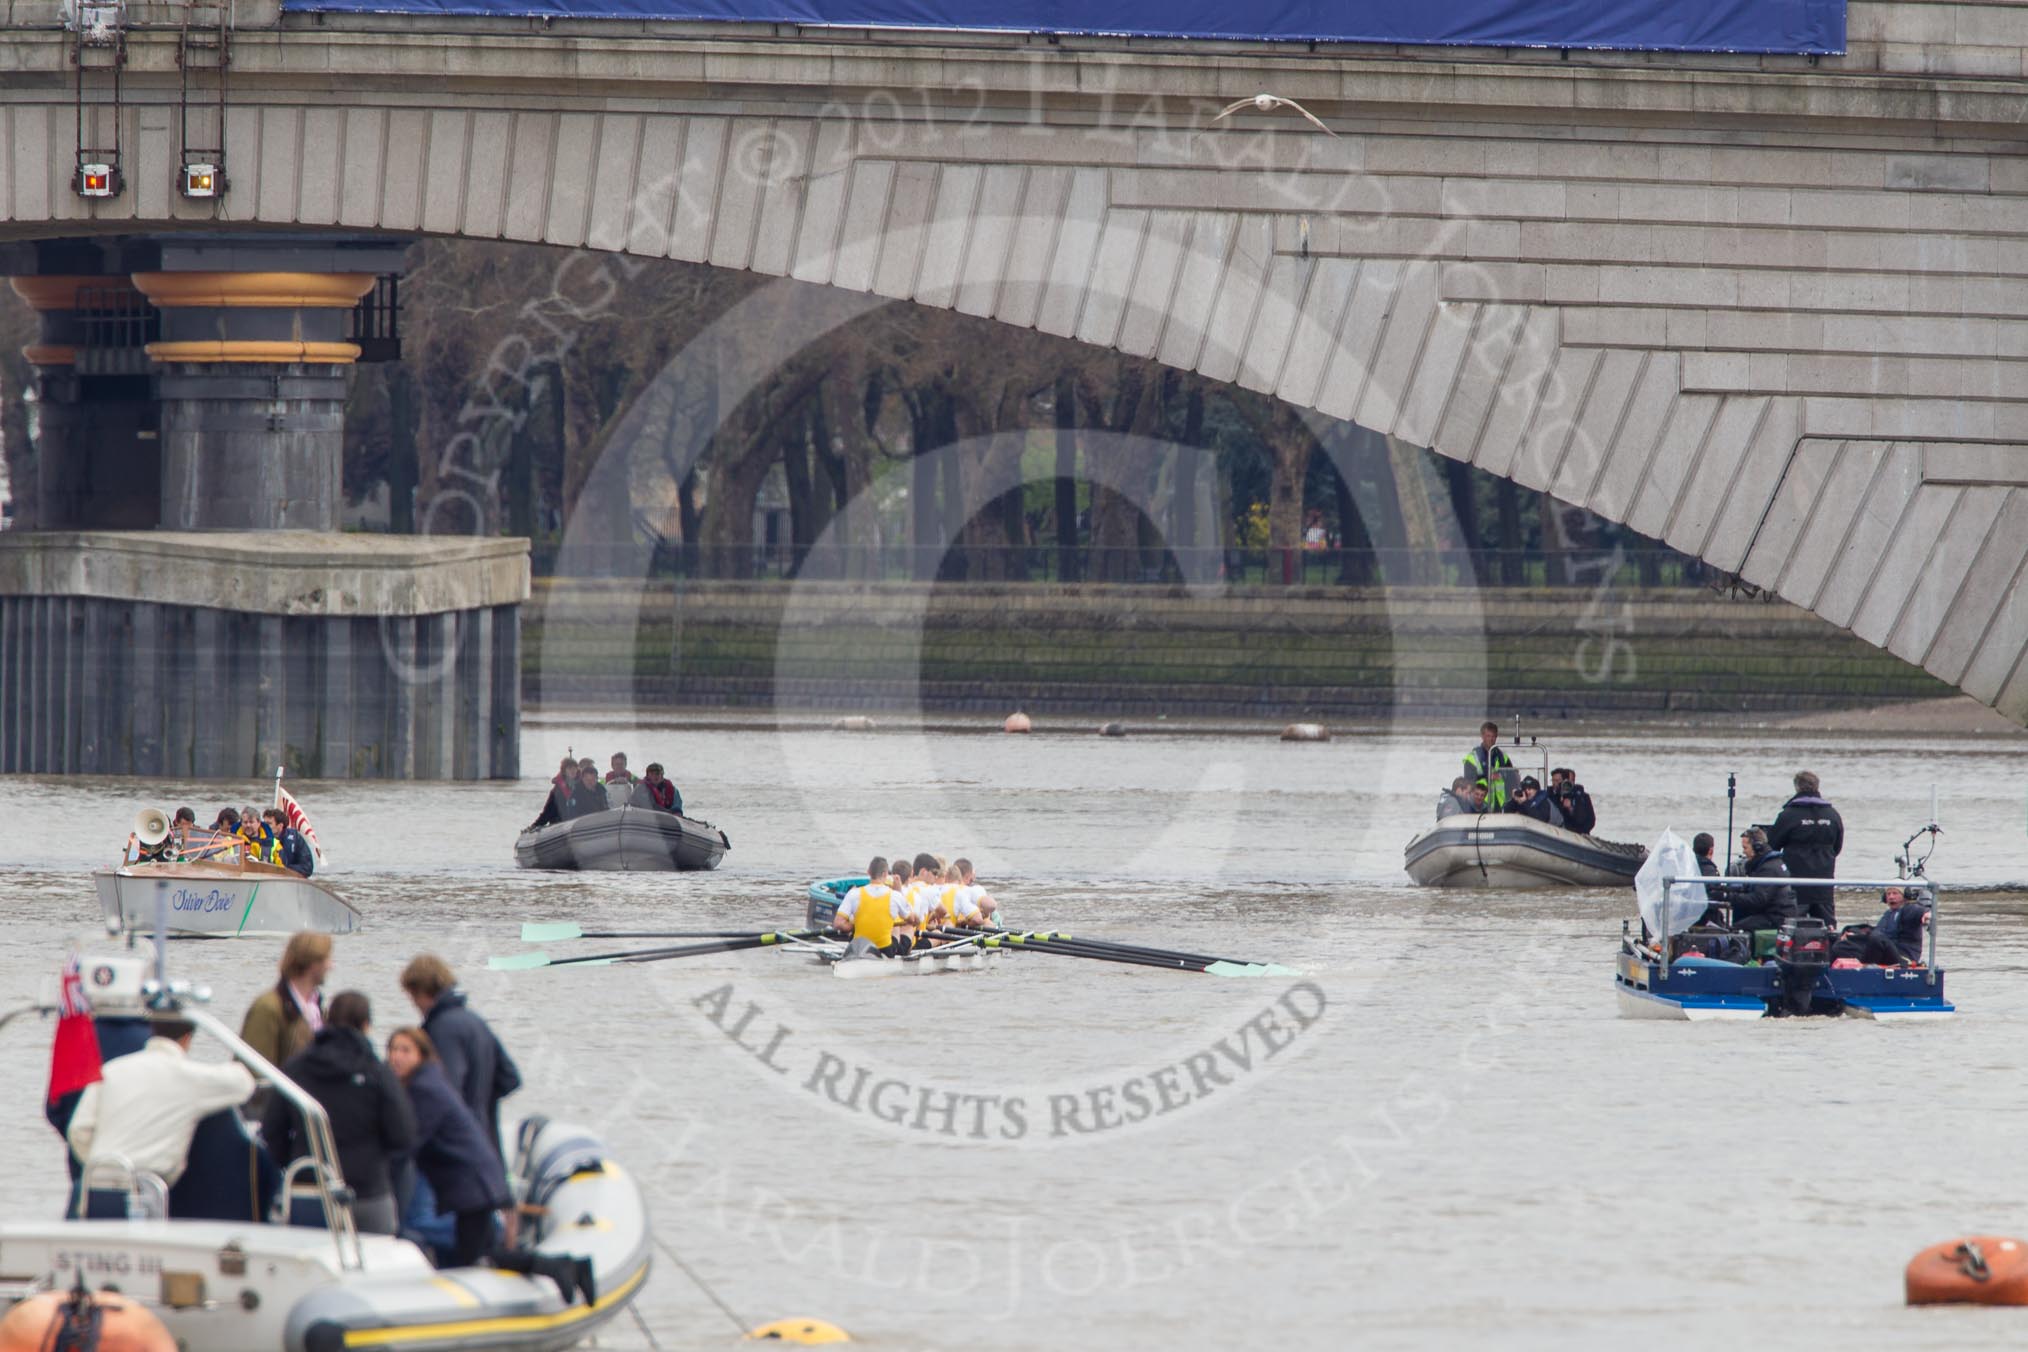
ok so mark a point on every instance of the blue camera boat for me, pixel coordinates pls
(1671, 970)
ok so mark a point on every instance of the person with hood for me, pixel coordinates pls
(371, 1122)
(1810, 835)
(474, 1062)
(463, 1172)
(1759, 908)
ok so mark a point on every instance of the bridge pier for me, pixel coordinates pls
(185, 604)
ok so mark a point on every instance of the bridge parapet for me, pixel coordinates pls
(1943, 38)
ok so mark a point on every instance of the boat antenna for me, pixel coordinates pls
(278, 786)
(1731, 797)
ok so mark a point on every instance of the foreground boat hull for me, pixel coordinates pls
(270, 1288)
(221, 900)
(624, 840)
(1707, 991)
(1510, 852)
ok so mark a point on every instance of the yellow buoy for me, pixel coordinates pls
(801, 1331)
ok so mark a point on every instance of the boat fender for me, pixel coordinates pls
(1974, 1270)
(804, 1331)
(1017, 722)
(1112, 730)
(82, 1322)
(1306, 732)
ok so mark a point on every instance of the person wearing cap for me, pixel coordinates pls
(1531, 801)
(1759, 908)
(657, 792)
(1811, 835)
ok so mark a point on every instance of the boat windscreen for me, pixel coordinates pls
(1671, 857)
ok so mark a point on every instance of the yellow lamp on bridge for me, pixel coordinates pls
(202, 180)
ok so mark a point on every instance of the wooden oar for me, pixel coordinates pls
(522, 962)
(537, 932)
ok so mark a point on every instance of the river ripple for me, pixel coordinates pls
(1454, 1138)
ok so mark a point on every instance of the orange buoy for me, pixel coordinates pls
(123, 1326)
(1975, 1270)
(1017, 722)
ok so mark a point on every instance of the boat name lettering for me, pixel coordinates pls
(117, 1263)
(204, 903)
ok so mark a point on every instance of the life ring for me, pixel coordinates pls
(107, 1322)
(1974, 1270)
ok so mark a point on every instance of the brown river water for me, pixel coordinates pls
(1438, 1132)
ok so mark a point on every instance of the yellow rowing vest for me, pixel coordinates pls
(874, 921)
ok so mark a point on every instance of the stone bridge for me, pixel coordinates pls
(1773, 311)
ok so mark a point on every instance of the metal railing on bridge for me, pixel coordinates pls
(1655, 568)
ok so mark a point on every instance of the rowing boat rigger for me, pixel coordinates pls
(937, 950)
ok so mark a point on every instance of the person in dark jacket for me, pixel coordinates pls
(1456, 801)
(474, 1062)
(1572, 801)
(1904, 921)
(451, 1153)
(587, 796)
(370, 1118)
(1531, 801)
(292, 851)
(1759, 908)
(1810, 835)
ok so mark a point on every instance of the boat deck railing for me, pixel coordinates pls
(1917, 883)
(332, 1195)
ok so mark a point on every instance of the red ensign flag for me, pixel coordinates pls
(74, 1060)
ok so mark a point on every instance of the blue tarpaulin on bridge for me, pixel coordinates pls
(1802, 27)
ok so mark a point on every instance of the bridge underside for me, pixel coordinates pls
(1776, 318)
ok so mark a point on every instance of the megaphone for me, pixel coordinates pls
(151, 826)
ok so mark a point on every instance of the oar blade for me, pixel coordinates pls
(517, 962)
(553, 932)
(1235, 969)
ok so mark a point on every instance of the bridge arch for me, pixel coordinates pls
(1776, 320)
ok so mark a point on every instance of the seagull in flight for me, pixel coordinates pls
(1267, 103)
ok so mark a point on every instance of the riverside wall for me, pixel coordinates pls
(1141, 651)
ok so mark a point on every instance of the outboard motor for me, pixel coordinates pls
(1802, 955)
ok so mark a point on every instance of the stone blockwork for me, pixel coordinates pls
(1773, 312)
(223, 656)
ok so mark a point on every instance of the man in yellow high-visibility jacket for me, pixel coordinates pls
(1485, 762)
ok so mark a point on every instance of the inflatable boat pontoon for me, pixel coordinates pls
(1507, 850)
